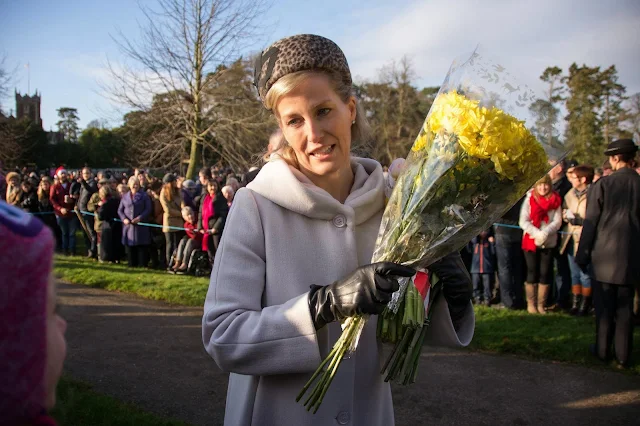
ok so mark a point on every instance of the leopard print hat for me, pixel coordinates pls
(298, 53)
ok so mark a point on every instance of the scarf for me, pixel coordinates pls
(579, 194)
(539, 213)
(207, 213)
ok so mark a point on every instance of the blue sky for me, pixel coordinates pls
(67, 42)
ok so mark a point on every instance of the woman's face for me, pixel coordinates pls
(14, 181)
(46, 186)
(134, 186)
(228, 195)
(212, 189)
(317, 125)
(56, 345)
(543, 189)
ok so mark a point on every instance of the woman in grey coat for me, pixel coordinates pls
(295, 256)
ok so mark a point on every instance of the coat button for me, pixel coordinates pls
(340, 221)
(343, 417)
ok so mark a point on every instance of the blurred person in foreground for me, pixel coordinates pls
(610, 242)
(32, 342)
(296, 252)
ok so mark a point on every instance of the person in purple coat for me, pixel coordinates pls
(135, 207)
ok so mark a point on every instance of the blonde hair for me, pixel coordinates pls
(133, 179)
(42, 194)
(104, 191)
(360, 130)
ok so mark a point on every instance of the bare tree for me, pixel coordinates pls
(5, 79)
(395, 109)
(181, 43)
(242, 125)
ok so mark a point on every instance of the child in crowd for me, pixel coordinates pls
(483, 266)
(188, 243)
(32, 342)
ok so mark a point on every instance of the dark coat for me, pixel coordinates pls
(610, 237)
(49, 219)
(29, 202)
(562, 186)
(108, 212)
(140, 207)
(220, 212)
(87, 189)
(483, 256)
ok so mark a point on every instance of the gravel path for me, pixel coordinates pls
(150, 353)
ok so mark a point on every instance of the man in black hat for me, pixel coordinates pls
(611, 242)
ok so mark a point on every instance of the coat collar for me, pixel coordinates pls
(289, 188)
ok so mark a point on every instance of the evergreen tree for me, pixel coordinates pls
(613, 94)
(545, 110)
(584, 125)
(68, 123)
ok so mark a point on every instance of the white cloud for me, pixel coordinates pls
(526, 36)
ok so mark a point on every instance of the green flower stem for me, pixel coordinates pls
(397, 356)
(351, 331)
(318, 371)
(411, 351)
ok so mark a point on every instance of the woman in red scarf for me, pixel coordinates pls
(540, 219)
(212, 217)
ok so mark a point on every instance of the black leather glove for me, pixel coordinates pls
(456, 285)
(365, 291)
(576, 221)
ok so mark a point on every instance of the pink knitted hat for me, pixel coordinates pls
(26, 250)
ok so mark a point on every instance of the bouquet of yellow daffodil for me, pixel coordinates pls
(471, 162)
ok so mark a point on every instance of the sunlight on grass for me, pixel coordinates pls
(152, 284)
(557, 337)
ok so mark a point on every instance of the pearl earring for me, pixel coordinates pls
(353, 122)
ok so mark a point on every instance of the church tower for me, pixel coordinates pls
(28, 107)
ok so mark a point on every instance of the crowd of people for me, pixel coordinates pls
(150, 222)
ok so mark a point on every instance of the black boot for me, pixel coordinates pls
(585, 304)
(575, 304)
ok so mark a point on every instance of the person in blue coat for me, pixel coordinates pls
(135, 207)
(483, 266)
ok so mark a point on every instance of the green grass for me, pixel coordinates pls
(151, 284)
(79, 405)
(555, 336)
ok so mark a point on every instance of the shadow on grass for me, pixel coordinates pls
(79, 405)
